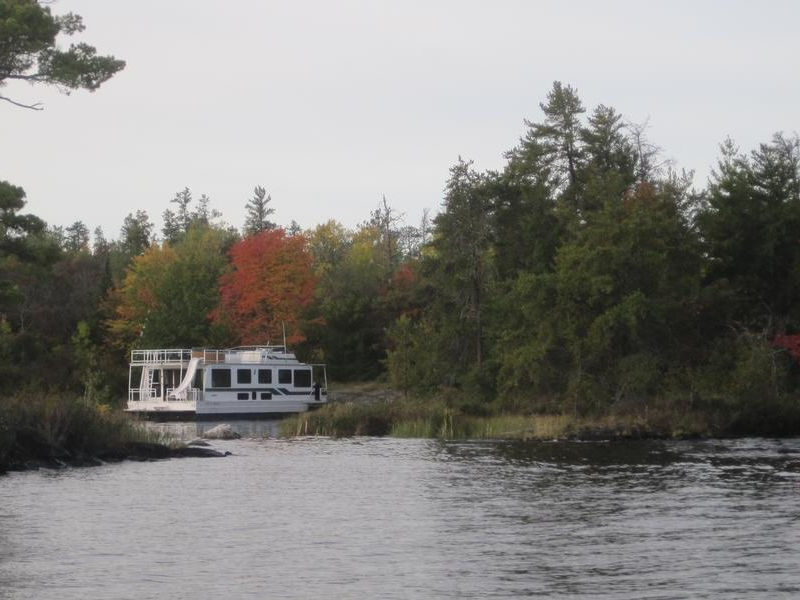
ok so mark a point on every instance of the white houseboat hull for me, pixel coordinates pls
(209, 409)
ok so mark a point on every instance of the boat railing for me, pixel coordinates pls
(190, 395)
(136, 395)
(160, 356)
(171, 356)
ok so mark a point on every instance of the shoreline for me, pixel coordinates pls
(50, 430)
(136, 451)
(435, 418)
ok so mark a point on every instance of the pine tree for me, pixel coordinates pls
(76, 238)
(137, 233)
(29, 51)
(257, 212)
(182, 215)
(559, 135)
(101, 246)
(170, 230)
(463, 265)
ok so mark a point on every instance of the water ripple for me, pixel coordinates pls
(391, 518)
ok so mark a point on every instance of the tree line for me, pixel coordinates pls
(588, 276)
(72, 307)
(585, 275)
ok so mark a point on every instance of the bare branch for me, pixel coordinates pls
(32, 78)
(36, 106)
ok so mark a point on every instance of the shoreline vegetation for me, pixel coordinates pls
(374, 409)
(50, 430)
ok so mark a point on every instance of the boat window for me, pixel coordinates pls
(243, 376)
(220, 378)
(243, 396)
(284, 376)
(265, 376)
(302, 378)
(266, 396)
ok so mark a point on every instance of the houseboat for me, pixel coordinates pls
(243, 382)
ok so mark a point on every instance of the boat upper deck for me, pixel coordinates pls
(180, 357)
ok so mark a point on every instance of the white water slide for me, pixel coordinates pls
(179, 393)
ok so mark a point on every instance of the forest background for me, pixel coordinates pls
(586, 277)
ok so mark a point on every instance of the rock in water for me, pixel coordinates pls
(221, 432)
(197, 452)
(198, 442)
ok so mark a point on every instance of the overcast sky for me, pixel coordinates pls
(329, 104)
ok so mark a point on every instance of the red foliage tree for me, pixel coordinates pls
(790, 343)
(270, 284)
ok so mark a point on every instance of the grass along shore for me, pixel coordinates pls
(434, 419)
(374, 409)
(52, 430)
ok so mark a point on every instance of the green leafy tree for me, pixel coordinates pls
(29, 51)
(329, 243)
(349, 325)
(90, 372)
(169, 292)
(386, 221)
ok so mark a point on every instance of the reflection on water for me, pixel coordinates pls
(186, 431)
(384, 518)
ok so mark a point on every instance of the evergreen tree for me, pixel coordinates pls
(28, 50)
(559, 135)
(606, 145)
(183, 216)
(137, 234)
(462, 266)
(750, 224)
(258, 212)
(171, 229)
(18, 243)
(101, 247)
(203, 214)
(14, 227)
(76, 238)
(294, 229)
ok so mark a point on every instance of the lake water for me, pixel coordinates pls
(387, 518)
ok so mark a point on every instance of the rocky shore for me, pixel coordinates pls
(58, 458)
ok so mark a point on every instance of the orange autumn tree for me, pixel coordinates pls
(270, 283)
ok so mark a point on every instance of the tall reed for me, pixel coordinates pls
(436, 419)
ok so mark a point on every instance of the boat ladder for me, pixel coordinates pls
(146, 385)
